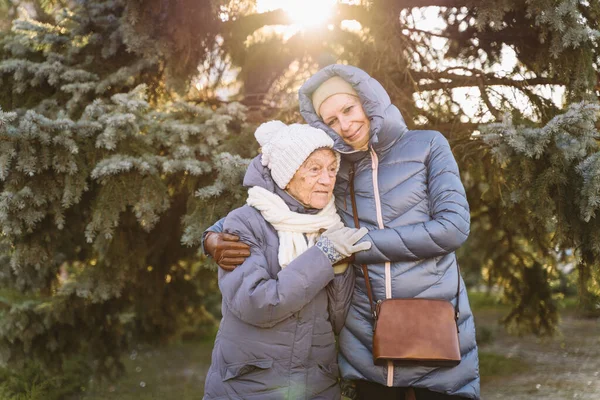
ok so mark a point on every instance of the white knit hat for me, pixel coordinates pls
(285, 148)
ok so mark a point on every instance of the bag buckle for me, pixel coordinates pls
(376, 309)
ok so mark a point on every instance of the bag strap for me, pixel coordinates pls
(357, 226)
(456, 310)
(366, 270)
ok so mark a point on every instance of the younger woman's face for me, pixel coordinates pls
(313, 183)
(345, 115)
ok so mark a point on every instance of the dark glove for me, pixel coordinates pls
(226, 249)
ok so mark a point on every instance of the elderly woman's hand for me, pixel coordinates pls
(339, 242)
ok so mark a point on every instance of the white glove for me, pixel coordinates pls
(339, 242)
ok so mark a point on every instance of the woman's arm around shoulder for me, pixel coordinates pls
(217, 227)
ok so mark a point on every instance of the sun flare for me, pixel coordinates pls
(307, 13)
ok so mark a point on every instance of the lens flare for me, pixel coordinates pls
(307, 13)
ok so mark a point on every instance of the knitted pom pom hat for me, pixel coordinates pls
(284, 148)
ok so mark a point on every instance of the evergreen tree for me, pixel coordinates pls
(549, 180)
(554, 44)
(107, 181)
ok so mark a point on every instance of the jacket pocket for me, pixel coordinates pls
(331, 370)
(236, 370)
(321, 378)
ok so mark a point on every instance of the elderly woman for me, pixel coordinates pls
(410, 197)
(282, 304)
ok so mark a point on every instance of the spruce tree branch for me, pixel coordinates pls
(505, 103)
(508, 36)
(450, 129)
(472, 81)
(428, 3)
(244, 26)
(353, 12)
(544, 107)
(486, 100)
(428, 33)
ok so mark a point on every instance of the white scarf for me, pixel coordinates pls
(291, 226)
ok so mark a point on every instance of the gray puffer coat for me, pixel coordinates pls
(410, 197)
(276, 339)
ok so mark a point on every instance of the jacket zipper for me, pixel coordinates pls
(388, 279)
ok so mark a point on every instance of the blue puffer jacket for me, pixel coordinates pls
(276, 338)
(410, 197)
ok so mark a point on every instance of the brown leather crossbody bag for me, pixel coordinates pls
(412, 331)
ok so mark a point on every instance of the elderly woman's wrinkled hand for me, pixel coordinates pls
(339, 242)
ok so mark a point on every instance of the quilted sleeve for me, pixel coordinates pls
(450, 219)
(259, 299)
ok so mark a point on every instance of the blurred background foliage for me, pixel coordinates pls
(125, 129)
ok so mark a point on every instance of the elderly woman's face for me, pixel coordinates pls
(345, 115)
(313, 183)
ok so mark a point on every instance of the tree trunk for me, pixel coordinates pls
(587, 301)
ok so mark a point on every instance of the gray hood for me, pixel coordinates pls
(387, 124)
